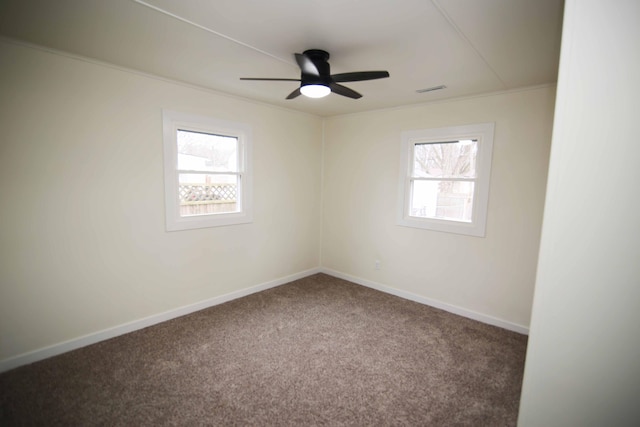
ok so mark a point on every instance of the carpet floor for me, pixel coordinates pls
(316, 351)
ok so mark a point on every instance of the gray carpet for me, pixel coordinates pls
(317, 351)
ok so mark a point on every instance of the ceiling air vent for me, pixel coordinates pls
(431, 89)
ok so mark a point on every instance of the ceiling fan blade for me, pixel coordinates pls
(296, 93)
(306, 65)
(344, 91)
(359, 76)
(269, 79)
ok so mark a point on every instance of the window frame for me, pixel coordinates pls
(172, 122)
(483, 133)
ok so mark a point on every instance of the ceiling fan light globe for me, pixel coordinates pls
(315, 91)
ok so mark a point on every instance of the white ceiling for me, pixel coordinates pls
(471, 46)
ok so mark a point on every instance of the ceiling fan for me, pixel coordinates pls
(316, 79)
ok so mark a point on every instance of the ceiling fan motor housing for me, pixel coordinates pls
(320, 59)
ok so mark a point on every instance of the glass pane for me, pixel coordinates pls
(207, 152)
(455, 159)
(204, 194)
(451, 200)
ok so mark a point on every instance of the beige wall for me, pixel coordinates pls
(493, 276)
(82, 237)
(583, 358)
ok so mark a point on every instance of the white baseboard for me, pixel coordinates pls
(73, 344)
(63, 347)
(430, 302)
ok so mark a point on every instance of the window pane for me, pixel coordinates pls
(455, 159)
(207, 152)
(450, 200)
(202, 194)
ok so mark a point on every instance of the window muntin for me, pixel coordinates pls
(207, 171)
(445, 178)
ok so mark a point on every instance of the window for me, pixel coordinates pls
(444, 178)
(207, 171)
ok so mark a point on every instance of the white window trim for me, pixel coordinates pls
(173, 121)
(484, 134)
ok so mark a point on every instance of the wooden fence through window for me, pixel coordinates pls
(200, 199)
